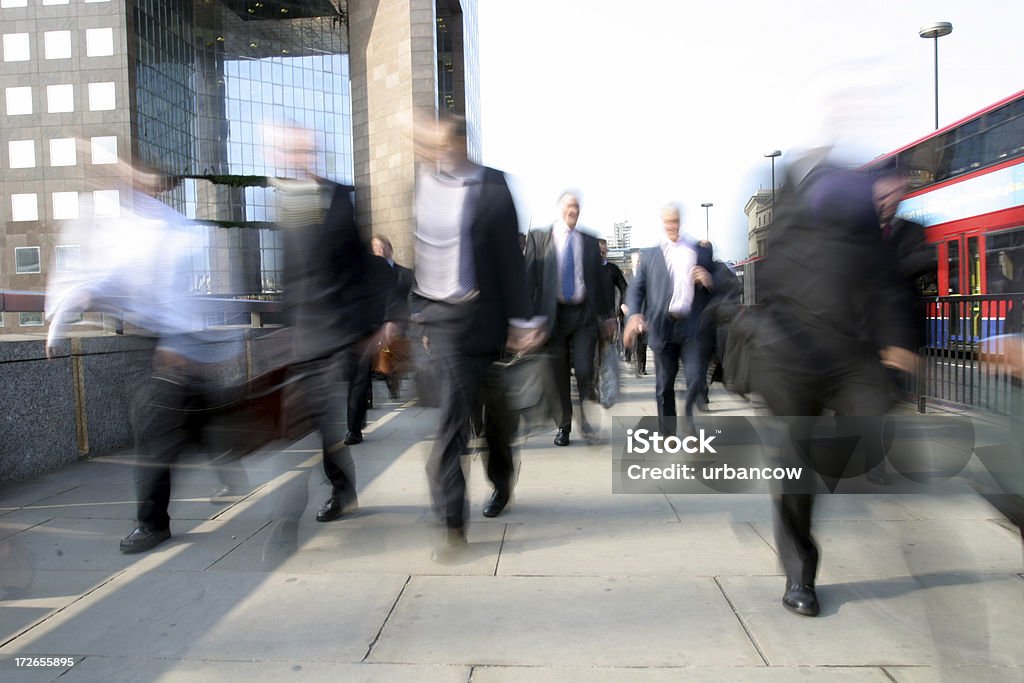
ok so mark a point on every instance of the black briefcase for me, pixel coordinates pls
(523, 387)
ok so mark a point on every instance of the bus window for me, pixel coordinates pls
(1004, 252)
(974, 266)
(953, 247)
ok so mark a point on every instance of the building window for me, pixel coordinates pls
(65, 206)
(101, 96)
(13, 3)
(26, 260)
(106, 203)
(60, 98)
(30, 319)
(99, 42)
(24, 207)
(19, 100)
(55, 2)
(88, 1)
(62, 152)
(16, 47)
(69, 258)
(104, 149)
(22, 153)
(57, 44)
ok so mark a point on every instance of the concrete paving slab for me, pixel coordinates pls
(372, 548)
(868, 548)
(969, 506)
(710, 674)
(129, 670)
(715, 508)
(20, 520)
(634, 549)
(863, 506)
(11, 671)
(92, 544)
(933, 620)
(964, 674)
(541, 621)
(222, 616)
(40, 593)
(538, 504)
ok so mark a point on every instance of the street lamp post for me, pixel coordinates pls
(707, 220)
(771, 155)
(936, 31)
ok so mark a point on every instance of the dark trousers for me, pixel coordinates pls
(319, 395)
(466, 383)
(573, 341)
(170, 414)
(666, 369)
(801, 376)
(360, 393)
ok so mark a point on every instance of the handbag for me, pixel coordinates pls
(523, 387)
(608, 376)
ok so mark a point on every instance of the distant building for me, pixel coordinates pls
(759, 217)
(622, 235)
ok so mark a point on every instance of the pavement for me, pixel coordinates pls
(572, 583)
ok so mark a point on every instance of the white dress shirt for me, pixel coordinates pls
(680, 257)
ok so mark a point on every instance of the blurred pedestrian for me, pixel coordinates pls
(471, 299)
(567, 287)
(672, 285)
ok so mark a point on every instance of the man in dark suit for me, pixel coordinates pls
(566, 285)
(614, 281)
(471, 297)
(670, 288)
(329, 303)
(832, 320)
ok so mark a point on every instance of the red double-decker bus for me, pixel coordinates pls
(967, 189)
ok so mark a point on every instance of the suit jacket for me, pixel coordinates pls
(326, 279)
(498, 261)
(614, 280)
(544, 285)
(651, 292)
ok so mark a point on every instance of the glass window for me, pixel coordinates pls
(26, 260)
(101, 96)
(62, 152)
(55, 2)
(60, 98)
(22, 153)
(65, 205)
(106, 203)
(13, 3)
(57, 44)
(88, 1)
(16, 48)
(24, 207)
(69, 258)
(99, 42)
(30, 319)
(19, 100)
(104, 150)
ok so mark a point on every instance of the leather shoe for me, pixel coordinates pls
(353, 437)
(562, 437)
(497, 503)
(142, 539)
(334, 507)
(800, 598)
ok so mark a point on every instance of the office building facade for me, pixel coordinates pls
(191, 88)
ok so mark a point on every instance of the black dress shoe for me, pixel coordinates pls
(353, 437)
(497, 503)
(562, 437)
(334, 507)
(800, 598)
(142, 539)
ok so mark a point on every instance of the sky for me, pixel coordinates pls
(637, 104)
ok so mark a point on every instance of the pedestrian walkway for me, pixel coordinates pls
(572, 583)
